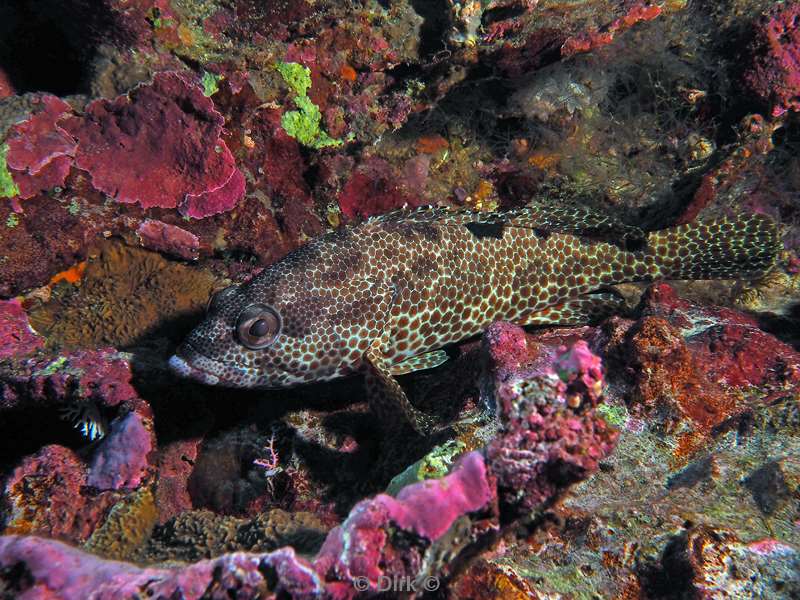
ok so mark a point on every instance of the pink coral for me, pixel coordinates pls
(159, 146)
(774, 74)
(39, 150)
(551, 435)
(427, 509)
(169, 239)
(546, 442)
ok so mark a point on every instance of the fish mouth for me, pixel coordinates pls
(180, 364)
(182, 368)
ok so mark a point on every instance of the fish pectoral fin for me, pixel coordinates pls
(583, 310)
(419, 362)
(387, 400)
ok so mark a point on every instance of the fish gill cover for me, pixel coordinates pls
(639, 440)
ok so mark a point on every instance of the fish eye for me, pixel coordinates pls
(220, 297)
(257, 326)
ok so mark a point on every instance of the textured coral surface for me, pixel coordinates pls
(155, 152)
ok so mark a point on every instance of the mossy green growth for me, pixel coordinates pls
(296, 76)
(433, 465)
(8, 189)
(54, 367)
(304, 124)
(616, 416)
(74, 208)
(210, 83)
(12, 220)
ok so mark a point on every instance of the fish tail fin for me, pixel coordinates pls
(740, 246)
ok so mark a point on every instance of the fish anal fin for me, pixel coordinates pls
(419, 362)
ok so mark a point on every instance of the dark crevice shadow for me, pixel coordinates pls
(49, 45)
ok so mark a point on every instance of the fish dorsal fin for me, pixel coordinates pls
(547, 218)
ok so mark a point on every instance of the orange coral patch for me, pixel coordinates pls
(431, 144)
(71, 275)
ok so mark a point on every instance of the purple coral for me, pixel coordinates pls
(121, 460)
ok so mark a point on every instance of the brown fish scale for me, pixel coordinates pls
(377, 294)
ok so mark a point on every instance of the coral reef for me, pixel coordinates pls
(191, 169)
(416, 536)
(130, 291)
(774, 75)
(40, 152)
(153, 152)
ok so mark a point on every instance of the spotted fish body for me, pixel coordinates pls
(396, 287)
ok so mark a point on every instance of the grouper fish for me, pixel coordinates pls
(384, 296)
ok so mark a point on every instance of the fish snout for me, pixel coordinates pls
(181, 363)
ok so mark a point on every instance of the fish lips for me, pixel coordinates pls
(181, 364)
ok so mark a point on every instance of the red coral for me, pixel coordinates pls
(774, 75)
(40, 151)
(372, 190)
(6, 87)
(590, 40)
(43, 497)
(159, 146)
(100, 376)
(16, 337)
(175, 463)
(699, 366)
(133, 20)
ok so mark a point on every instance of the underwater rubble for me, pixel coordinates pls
(154, 152)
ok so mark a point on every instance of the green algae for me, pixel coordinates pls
(296, 77)
(210, 83)
(8, 189)
(12, 220)
(53, 368)
(303, 124)
(433, 465)
(616, 416)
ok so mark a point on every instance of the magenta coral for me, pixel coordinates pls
(39, 150)
(159, 146)
(427, 509)
(547, 441)
(774, 75)
(551, 435)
